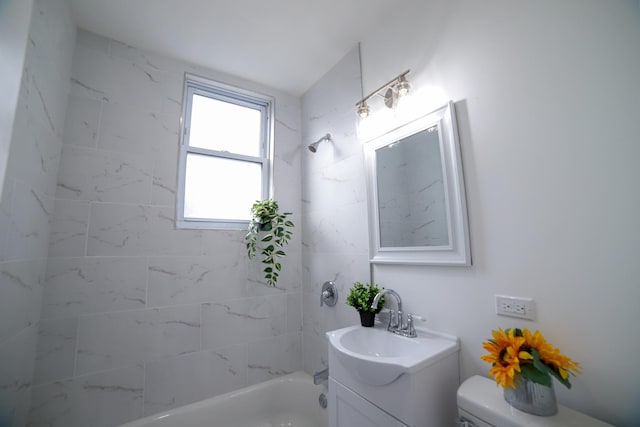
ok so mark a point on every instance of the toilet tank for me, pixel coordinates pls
(481, 404)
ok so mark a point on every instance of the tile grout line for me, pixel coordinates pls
(200, 328)
(146, 291)
(75, 355)
(144, 386)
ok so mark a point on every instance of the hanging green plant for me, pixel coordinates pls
(269, 231)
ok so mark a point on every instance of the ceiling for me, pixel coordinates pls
(284, 44)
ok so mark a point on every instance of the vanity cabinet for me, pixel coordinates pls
(348, 409)
(377, 378)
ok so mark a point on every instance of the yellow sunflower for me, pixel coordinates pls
(549, 355)
(514, 352)
(504, 355)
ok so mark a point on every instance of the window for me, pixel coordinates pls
(224, 154)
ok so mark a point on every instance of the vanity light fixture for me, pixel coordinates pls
(390, 91)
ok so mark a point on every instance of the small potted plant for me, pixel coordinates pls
(361, 297)
(269, 231)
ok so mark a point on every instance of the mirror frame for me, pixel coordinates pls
(458, 252)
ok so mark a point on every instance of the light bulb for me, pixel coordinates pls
(403, 86)
(364, 110)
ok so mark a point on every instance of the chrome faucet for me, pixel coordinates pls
(321, 376)
(396, 324)
(379, 295)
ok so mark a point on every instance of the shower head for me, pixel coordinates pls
(313, 147)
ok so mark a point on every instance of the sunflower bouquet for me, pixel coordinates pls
(514, 352)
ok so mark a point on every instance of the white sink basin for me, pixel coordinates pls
(377, 356)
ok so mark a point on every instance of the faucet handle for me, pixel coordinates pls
(416, 317)
(411, 330)
(328, 294)
(392, 320)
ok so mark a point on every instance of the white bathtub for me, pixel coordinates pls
(290, 400)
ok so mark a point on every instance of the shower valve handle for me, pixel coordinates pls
(328, 294)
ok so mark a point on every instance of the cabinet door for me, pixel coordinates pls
(347, 409)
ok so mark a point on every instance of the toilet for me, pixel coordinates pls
(481, 404)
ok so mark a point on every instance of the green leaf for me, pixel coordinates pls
(537, 363)
(531, 373)
(278, 266)
(557, 375)
(361, 297)
(267, 238)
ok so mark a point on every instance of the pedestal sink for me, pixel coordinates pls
(377, 356)
(411, 380)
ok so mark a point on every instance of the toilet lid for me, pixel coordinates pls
(482, 398)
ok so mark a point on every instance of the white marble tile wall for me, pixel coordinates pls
(103, 399)
(16, 373)
(27, 201)
(189, 378)
(335, 242)
(145, 316)
(120, 339)
(76, 286)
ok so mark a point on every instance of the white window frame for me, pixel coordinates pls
(227, 93)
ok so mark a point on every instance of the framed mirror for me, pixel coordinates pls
(416, 198)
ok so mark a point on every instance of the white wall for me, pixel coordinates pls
(27, 199)
(548, 102)
(15, 17)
